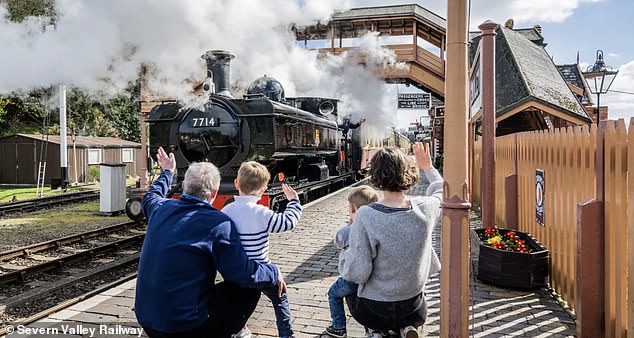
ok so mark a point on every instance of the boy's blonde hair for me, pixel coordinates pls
(252, 176)
(363, 195)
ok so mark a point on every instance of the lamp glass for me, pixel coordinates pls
(610, 75)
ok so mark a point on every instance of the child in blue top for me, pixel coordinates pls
(341, 288)
(254, 223)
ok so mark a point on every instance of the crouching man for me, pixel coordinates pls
(187, 242)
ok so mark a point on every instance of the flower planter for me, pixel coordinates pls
(510, 268)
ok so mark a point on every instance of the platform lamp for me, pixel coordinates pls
(599, 78)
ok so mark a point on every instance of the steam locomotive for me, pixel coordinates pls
(297, 139)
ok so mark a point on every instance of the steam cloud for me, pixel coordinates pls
(97, 44)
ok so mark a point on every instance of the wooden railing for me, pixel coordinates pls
(568, 159)
(404, 53)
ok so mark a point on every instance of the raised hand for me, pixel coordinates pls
(289, 192)
(423, 158)
(166, 162)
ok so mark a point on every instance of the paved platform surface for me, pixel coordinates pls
(308, 260)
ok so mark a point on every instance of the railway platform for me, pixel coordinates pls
(308, 260)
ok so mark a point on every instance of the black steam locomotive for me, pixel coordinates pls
(297, 139)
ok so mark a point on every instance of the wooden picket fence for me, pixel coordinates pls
(568, 157)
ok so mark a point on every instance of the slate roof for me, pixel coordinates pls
(533, 35)
(525, 72)
(572, 74)
(88, 141)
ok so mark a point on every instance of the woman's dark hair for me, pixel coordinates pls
(391, 170)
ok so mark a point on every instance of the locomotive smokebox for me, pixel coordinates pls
(218, 68)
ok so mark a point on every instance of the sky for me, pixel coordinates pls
(99, 45)
(569, 27)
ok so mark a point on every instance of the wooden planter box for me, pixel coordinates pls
(510, 268)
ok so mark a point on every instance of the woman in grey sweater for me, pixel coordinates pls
(391, 254)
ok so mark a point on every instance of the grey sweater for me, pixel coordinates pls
(390, 253)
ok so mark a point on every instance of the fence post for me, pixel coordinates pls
(590, 300)
(487, 176)
(510, 202)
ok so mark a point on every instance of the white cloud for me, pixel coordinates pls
(621, 105)
(522, 11)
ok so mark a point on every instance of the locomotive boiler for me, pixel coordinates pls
(297, 139)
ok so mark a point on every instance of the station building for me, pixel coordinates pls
(21, 157)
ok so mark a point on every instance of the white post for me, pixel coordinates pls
(63, 151)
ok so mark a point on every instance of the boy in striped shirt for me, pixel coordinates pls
(254, 223)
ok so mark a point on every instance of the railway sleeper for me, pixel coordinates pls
(43, 292)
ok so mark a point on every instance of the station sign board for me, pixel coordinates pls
(539, 196)
(414, 101)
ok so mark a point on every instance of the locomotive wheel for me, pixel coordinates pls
(134, 209)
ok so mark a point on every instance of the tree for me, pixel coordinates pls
(123, 111)
(21, 9)
(99, 115)
(3, 103)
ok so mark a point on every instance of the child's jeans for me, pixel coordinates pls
(282, 310)
(338, 290)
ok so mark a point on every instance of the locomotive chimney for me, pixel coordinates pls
(218, 68)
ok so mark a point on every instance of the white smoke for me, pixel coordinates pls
(102, 44)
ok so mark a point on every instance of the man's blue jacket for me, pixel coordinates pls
(186, 243)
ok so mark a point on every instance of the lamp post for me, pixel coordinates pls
(599, 78)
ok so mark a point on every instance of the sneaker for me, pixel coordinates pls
(373, 335)
(244, 333)
(338, 333)
(409, 332)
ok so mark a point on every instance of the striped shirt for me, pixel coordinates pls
(255, 222)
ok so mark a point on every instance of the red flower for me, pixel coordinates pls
(499, 245)
(510, 241)
(490, 232)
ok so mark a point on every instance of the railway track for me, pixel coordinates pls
(46, 202)
(42, 278)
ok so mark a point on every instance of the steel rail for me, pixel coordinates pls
(59, 263)
(24, 251)
(67, 303)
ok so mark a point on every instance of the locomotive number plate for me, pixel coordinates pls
(197, 122)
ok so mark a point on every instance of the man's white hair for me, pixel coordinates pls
(202, 180)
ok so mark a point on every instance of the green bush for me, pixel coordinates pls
(93, 174)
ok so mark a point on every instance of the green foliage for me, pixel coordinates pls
(21, 9)
(93, 174)
(3, 103)
(96, 115)
(24, 111)
(87, 114)
(123, 112)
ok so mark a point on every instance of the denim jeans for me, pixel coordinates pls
(338, 290)
(282, 310)
(388, 315)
